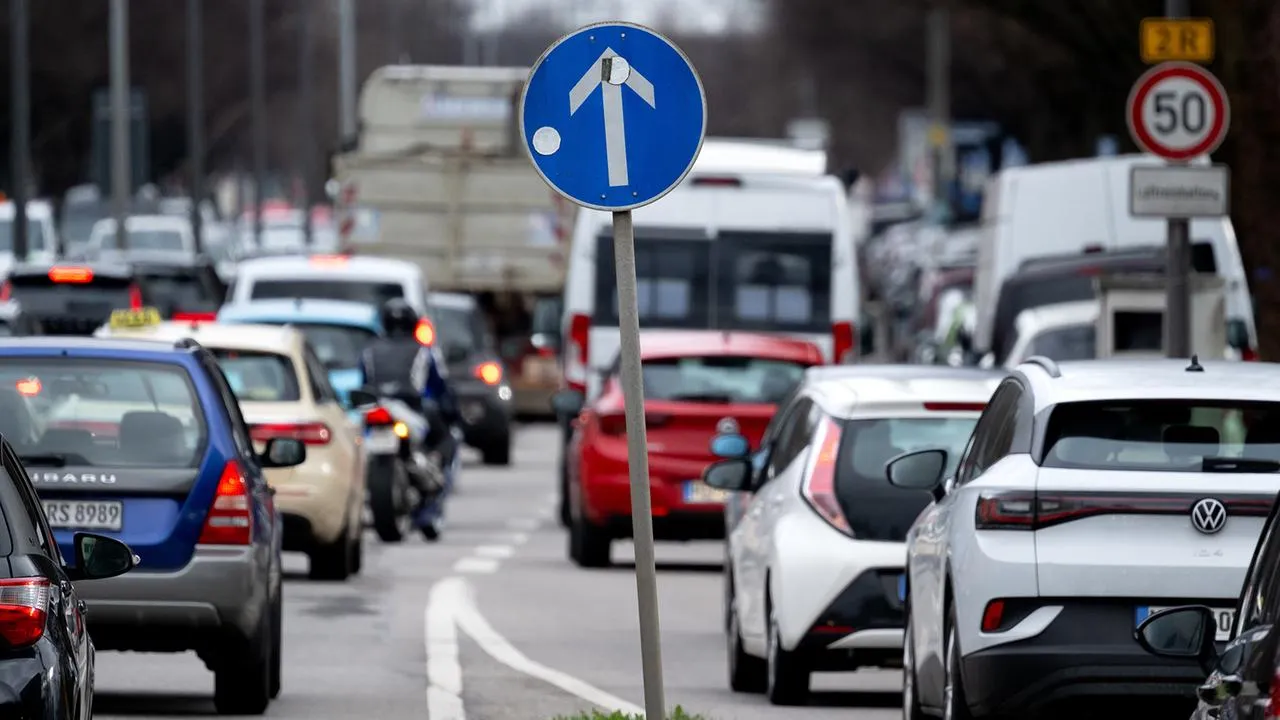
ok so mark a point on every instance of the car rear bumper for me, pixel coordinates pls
(1087, 654)
(861, 627)
(315, 501)
(221, 588)
(607, 502)
(486, 418)
(32, 686)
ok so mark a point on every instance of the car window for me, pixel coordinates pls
(31, 505)
(1075, 342)
(460, 328)
(35, 235)
(231, 406)
(1160, 435)
(259, 376)
(993, 435)
(318, 376)
(144, 240)
(372, 292)
(337, 347)
(793, 437)
(721, 378)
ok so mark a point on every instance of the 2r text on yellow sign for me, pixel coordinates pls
(1169, 39)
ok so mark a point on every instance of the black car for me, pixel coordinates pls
(15, 322)
(181, 286)
(72, 299)
(477, 374)
(1244, 674)
(47, 657)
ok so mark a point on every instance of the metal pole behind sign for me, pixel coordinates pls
(195, 115)
(347, 70)
(121, 120)
(638, 464)
(20, 124)
(306, 119)
(258, 111)
(1178, 258)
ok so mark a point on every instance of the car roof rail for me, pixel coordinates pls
(186, 343)
(1046, 364)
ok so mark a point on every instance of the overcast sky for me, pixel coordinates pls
(695, 15)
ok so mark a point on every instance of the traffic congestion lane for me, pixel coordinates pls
(582, 625)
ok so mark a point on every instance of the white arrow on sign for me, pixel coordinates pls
(615, 135)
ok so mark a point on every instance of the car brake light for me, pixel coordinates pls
(992, 616)
(577, 352)
(842, 348)
(1247, 354)
(28, 387)
(1272, 708)
(490, 373)
(329, 260)
(425, 332)
(229, 521)
(1006, 511)
(307, 433)
(613, 424)
(819, 488)
(76, 275)
(955, 406)
(6, 291)
(135, 297)
(24, 604)
(194, 317)
(378, 417)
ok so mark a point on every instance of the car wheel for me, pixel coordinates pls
(955, 706)
(747, 673)
(332, 561)
(277, 644)
(589, 546)
(430, 531)
(910, 696)
(388, 499)
(497, 453)
(357, 552)
(787, 674)
(242, 680)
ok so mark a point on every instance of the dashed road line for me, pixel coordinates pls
(444, 668)
(495, 551)
(480, 565)
(526, 524)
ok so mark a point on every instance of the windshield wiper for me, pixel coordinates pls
(1238, 465)
(720, 398)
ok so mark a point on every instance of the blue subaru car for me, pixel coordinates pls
(143, 441)
(338, 330)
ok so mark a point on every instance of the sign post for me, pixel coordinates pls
(1178, 111)
(613, 116)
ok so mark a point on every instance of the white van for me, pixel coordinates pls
(757, 237)
(42, 237)
(1077, 206)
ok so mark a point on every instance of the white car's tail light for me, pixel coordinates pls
(819, 488)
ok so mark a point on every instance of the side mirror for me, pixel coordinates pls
(730, 445)
(361, 397)
(919, 470)
(1181, 632)
(99, 557)
(733, 475)
(567, 403)
(283, 453)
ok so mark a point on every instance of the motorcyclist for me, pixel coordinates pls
(399, 358)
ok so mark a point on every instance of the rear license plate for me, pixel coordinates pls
(1226, 618)
(85, 514)
(696, 491)
(382, 441)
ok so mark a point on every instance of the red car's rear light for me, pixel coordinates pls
(577, 350)
(843, 349)
(612, 424)
(229, 521)
(24, 605)
(308, 433)
(992, 616)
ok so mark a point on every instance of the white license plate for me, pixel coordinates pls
(696, 491)
(85, 514)
(1226, 618)
(382, 441)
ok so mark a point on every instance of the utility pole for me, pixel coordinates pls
(1178, 256)
(938, 94)
(306, 119)
(121, 117)
(195, 115)
(258, 110)
(347, 71)
(20, 123)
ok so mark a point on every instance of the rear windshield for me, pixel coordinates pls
(180, 291)
(35, 235)
(145, 240)
(100, 413)
(375, 293)
(41, 296)
(259, 377)
(459, 328)
(1160, 435)
(721, 379)
(875, 509)
(1074, 342)
(337, 346)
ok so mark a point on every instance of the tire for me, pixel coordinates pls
(955, 705)
(242, 680)
(277, 645)
(589, 546)
(910, 687)
(497, 453)
(332, 561)
(566, 516)
(747, 673)
(787, 674)
(357, 553)
(388, 486)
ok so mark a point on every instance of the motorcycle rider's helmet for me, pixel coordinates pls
(398, 318)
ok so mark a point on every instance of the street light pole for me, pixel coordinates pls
(20, 123)
(195, 115)
(938, 92)
(347, 71)
(306, 119)
(121, 112)
(258, 110)
(1178, 256)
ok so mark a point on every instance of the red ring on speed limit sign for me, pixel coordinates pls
(1213, 92)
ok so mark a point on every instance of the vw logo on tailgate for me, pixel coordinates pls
(1209, 515)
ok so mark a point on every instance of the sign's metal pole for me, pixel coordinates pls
(195, 114)
(638, 464)
(121, 121)
(20, 123)
(258, 111)
(1178, 260)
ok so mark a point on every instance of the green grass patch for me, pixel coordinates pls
(678, 713)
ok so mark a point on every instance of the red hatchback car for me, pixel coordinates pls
(697, 384)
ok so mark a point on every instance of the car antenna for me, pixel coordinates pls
(1195, 365)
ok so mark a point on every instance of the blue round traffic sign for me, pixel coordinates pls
(613, 116)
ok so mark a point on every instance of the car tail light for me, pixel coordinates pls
(842, 348)
(378, 417)
(24, 604)
(992, 616)
(28, 387)
(194, 317)
(613, 424)
(1006, 511)
(1247, 354)
(229, 521)
(329, 260)
(74, 275)
(135, 297)
(576, 354)
(1272, 708)
(308, 433)
(6, 291)
(489, 372)
(819, 488)
(955, 406)
(425, 332)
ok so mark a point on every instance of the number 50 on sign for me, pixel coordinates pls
(1178, 111)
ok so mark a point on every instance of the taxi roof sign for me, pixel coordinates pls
(1176, 39)
(133, 319)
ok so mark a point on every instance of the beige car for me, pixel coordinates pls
(284, 391)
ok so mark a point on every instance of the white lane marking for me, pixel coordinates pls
(444, 670)
(471, 622)
(524, 523)
(495, 551)
(519, 538)
(480, 565)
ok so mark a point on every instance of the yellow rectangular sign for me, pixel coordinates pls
(1185, 39)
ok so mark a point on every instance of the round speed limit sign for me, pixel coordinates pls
(1178, 111)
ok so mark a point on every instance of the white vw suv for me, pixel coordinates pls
(1090, 495)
